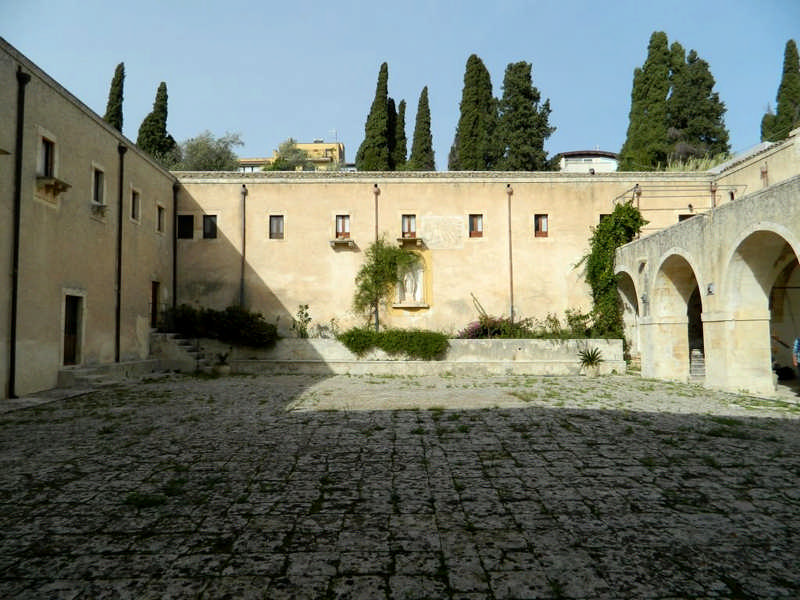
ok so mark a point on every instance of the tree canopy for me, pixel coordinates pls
(776, 126)
(153, 137)
(675, 114)
(475, 145)
(113, 114)
(290, 158)
(400, 142)
(422, 156)
(373, 154)
(205, 152)
(523, 124)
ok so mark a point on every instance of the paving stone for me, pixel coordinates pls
(202, 488)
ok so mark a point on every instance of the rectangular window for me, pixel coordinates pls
(342, 226)
(185, 227)
(98, 186)
(135, 205)
(684, 217)
(475, 226)
(209, 227)
(540, 225)
(276, 227)
(160, 215)
(409, 226)
(48, 158)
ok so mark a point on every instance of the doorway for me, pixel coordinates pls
(72, 322)
(154, 287)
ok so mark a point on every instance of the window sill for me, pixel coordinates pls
(342, 243)
(410, 241)
(410, 305)
(51, 185)
(98, 210)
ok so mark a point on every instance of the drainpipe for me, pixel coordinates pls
(122, 149)
(376, 191)
(244, 244)
(22, 80)
(175, 187)
(509, 193)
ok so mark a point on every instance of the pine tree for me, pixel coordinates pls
(646, 143)
(373, 154)
(776, 127)
(400, 150)
(422, 158)
(475, 146)
(694, 111)
(113, 114)
(523, 125)
(153, 137)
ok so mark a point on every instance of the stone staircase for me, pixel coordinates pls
(697, 365)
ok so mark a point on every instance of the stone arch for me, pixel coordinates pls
(760, 256)
(675, 308)
(626, 287)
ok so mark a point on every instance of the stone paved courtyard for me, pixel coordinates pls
(429, 487)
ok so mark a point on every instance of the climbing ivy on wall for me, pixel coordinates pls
(619, 228)
(378, 275)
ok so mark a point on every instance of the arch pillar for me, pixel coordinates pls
(665, 353)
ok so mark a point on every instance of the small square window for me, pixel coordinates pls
(160, 217)
(475, 226)
(135, 205)
(185, 227)
(684, 217)
(276, 227)
(342, 226)
(540, 227)
(209, 227)
(98, 186)
(48, 158)
(409, 226)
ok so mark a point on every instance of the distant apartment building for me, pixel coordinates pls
(324, 156)
(588, 161)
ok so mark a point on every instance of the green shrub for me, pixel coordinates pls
(414, 343)
(234, 325)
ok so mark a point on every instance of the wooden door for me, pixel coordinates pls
(72, 317)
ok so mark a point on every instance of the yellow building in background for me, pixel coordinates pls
(324, 156)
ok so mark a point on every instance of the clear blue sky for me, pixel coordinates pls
(271, 70)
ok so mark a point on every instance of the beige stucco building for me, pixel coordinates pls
(86, 229)
(97, 240)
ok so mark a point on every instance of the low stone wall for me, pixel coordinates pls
(491, 357)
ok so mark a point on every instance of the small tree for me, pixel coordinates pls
(113, 114)
(208, 153)
(290, 158)
(619, 228)
(378, 275)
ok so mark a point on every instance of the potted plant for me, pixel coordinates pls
(590, 359)
(221, 367)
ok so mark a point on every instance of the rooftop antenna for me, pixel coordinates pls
(335, 135)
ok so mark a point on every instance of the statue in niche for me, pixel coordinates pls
(410, 286)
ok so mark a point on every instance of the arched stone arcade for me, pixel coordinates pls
(724, 287)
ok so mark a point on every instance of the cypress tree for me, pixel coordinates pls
(523, 125)
(400, 150)
(694, 111)
(475, 146)
(153, 137)
(422, 158)
(373, 154)
(391, 130)
(776, 127)
(113, 114)
(646, 142)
